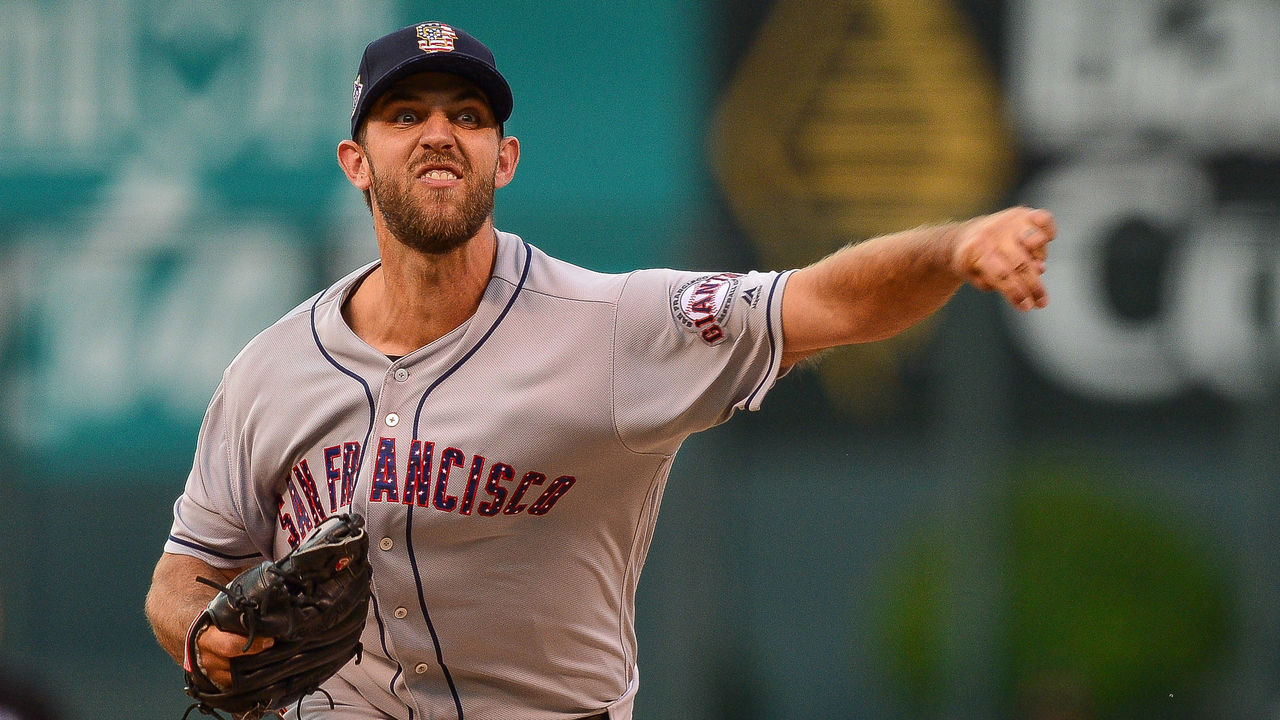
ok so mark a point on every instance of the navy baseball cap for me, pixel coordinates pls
(427, 47)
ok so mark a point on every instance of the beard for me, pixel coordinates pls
(440, 224)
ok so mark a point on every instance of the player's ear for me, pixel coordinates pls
(508, 158)
(351, 158)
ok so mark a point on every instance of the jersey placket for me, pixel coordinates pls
(390, 492)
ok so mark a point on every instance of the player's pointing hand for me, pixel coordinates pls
(1005, 252)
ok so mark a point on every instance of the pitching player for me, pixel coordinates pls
(506, 421)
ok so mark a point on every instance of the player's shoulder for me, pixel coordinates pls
(523, 264)
(535, 271)
(294, 334)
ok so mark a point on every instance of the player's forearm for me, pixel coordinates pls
(883, 286)
(175, 598)
(871, 290)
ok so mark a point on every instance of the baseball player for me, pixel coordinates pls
(505, 421)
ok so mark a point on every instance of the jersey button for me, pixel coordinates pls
(420, 668)
(402, 375)
(385, 543)
(401, 613)
(393, 420)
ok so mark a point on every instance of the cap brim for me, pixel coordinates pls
(490, 82)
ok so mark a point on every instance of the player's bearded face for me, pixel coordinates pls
(433, 220)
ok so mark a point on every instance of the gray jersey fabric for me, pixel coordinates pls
(510, 472)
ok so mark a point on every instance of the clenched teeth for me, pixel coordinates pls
(441, 175)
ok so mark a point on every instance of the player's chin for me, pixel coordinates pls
(444, 202)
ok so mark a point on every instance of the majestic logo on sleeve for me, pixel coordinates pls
(436, 37)
(701, 305)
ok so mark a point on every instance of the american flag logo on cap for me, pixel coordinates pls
(436, 37)
(355, 95)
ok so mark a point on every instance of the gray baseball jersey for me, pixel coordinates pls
(510, 472)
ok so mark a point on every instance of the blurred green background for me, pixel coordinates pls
(1066, 514)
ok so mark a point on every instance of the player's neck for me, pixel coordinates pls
(415, 298)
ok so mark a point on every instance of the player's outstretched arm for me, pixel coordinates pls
(174, 601)
(878, 288)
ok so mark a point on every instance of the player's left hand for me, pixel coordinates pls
(1005, 252)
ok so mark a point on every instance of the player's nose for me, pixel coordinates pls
(437, 132)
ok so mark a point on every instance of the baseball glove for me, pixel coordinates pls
(313, 602)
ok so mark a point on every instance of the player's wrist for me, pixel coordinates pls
(955, 250)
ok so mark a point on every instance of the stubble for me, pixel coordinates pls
(440, 223)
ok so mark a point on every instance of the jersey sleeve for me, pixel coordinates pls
(690, 348)
(208, 520)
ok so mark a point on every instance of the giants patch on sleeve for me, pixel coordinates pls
(701, 305)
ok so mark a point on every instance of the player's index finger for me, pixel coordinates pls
(231, 644)
(1044, 220)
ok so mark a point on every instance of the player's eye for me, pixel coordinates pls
(467, 117)
(405, 117)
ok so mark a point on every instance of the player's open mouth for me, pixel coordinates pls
(438, 170)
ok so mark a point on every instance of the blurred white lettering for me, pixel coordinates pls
(1130, 100)
(1206, 73)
